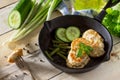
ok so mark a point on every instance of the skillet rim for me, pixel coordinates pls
(68, 70)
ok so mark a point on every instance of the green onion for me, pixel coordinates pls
(30, 16)
(37, 16)
(52, 7)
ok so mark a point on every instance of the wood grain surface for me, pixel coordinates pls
(39, 65)
(4, 3)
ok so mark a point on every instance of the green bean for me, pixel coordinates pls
(54, 51)
(56, 41)
(63, 52)
(49, 55)
(61, 55)
(51, 48)
(63, 44)
(63, 47)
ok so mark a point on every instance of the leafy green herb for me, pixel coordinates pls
(83, 48)
(112, 20)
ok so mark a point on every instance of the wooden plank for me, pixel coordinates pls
(39, 66)
(42, 71)
(4, 3)
(32, 39)
(6, 47)
(116, 40)
(4, 27)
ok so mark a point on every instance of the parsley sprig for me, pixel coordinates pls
(83, 48)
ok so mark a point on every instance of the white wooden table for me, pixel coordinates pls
(41, 68)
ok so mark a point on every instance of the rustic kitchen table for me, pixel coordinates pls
(40, 67)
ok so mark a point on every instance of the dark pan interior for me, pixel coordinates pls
(84, 23)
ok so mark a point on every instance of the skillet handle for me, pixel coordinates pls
(47, 24)
(102, 14)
